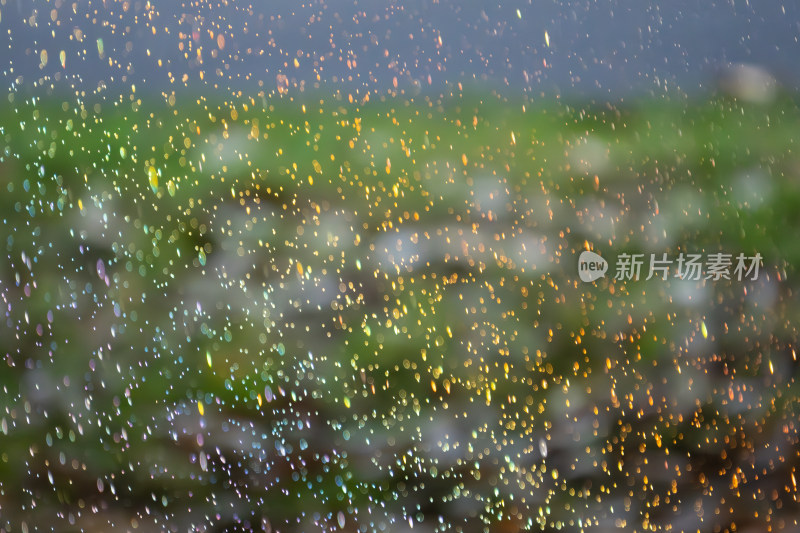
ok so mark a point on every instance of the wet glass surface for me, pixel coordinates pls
(434, 266)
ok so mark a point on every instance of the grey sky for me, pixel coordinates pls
(600, 47)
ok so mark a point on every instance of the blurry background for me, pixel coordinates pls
(315, 267)
(602, 48)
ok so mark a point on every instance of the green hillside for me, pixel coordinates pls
(328, 313)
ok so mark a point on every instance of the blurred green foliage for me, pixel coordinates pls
(326, 314)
